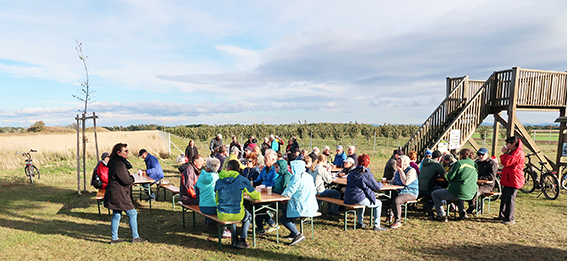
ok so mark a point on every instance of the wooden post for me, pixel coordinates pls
(78, 158)
(561, 140)
(495, 133)
(95, 135)
(84, 154)
(513, 101)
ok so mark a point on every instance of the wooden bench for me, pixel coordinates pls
(308, 219)
(169, 187)
(99, 198)
(486, 196)
(348, 209)
(405, 206)
(220, 224)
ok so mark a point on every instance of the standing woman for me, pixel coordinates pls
(118, 196)
(191, 151)
(512, 178)
(406, 176)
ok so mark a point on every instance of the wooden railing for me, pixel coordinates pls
(541, 88)
(437, 120)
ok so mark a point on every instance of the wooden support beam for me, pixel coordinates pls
(495, 133)
(513, 100)
(473, 143)
(560, 142)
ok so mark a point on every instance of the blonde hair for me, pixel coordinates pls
(321, 159)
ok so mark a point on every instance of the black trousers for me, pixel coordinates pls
(508, 203)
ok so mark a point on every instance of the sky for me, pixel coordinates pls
(228, 62)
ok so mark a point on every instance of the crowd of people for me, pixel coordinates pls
(218, 183)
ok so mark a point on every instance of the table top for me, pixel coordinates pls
(265, 198)
(336, 169)
(142, 179)
(343, 181)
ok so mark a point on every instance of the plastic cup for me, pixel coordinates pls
(140, 172)
(269, 190)
(384, 181)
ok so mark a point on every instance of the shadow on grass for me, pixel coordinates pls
(27, 210)
(502, 251)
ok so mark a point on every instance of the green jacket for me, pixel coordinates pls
(229, 195)
(430, 169)
(462, 179)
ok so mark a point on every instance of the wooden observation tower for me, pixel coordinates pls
(469, 102)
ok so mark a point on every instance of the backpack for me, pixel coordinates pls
(95, 179)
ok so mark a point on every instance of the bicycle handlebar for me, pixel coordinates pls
(532, 154)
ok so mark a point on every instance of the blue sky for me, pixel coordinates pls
(189, 62)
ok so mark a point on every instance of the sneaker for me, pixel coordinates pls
(260, 232)
(509, 222)
(289, 237)
(360, 225)
(471, 210)
(396, 225)
(226, 233)
(440, 219)
(297, 239)
(272, 228)
(139, 240)
(242, 244)
(497, 218)
(379, 229)
(463, 216)
(117, 241)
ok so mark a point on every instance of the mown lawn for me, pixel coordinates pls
(49, 221)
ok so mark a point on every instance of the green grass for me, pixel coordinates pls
(49, 221)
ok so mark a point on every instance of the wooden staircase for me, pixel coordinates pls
(469, 102)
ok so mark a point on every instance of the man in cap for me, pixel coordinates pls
(216, 143)
(390, 167)
(153, 170)
(487, 169)
(348, 166)
(340, 157)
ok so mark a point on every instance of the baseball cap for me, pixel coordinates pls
(340, 147)
(349, 159)
(428, 152)
(142, 151)
(104, 155)
(482, 151)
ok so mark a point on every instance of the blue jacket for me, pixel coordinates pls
(267, 176)
(340, 159)
(230, 190)
(251, 173)
(301, 190)
(412, 188)
(153, 169)
(205, 188)
(360, 185)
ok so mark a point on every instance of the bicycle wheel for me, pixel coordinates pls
(550, 186)
(29, 173)
(564, 179)
(35, 171)
(530, 183)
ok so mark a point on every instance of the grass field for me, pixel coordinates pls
(47, 220)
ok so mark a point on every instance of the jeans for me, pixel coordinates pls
(209, 211)
(508, 203)
(289, 223)
(115, 223)
(444, 194)
(245, 226)
(331, 193)
(376, 208)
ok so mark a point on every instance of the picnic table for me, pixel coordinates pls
(386, 188)
(265, 204)
(141, 180)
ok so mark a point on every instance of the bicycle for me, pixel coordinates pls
(549, 183)
(30, 170)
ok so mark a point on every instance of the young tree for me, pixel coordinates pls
(85, 93)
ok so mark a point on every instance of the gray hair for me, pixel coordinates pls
(449, 157)
(271, 153)
(316, 150)
(213, 164)
(272, 136)
(351, 147)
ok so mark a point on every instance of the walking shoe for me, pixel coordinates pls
(226, 233)
(242, 244)
(509, 222)
(289, 237)
(440, 219)
(497, 218)
(463, 216)
(272, 228)
(235, 242)
(396, 225)
(117, 241)
(298, 238)
(139, 240)
(360, 225)
(471, 210)
(260, 232)
(379, 229)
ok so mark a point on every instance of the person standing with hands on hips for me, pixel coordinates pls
(512, 178)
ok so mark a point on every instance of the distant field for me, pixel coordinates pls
(53, 147)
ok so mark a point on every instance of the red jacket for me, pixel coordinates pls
(102, 171)
(513, 171)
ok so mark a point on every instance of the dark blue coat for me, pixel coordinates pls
(360, 185)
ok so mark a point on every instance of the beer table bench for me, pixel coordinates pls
(141, 180)
(99, 198)
(169, 187)
(220, 224)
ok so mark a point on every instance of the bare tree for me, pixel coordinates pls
(85, 93)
